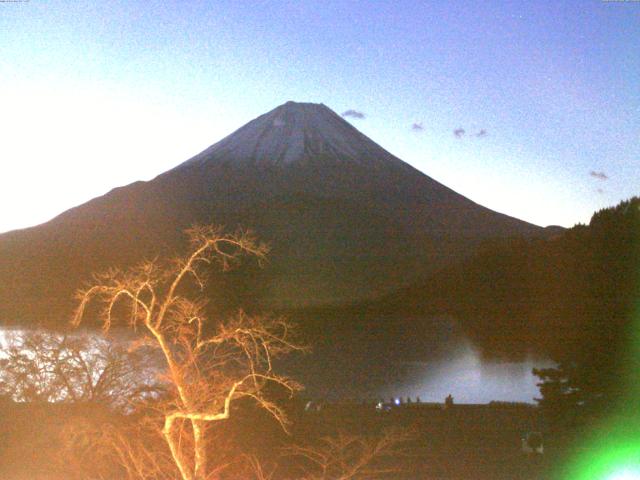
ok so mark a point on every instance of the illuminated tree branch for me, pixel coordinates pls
(208, 366)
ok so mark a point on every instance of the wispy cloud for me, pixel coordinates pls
(417, 127)
(599, 190)
(353, 114)
(599, 175)
(461, 132)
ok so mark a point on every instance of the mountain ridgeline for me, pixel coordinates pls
(346, 220)
(574, 295)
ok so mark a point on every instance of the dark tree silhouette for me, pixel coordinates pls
(50, 367)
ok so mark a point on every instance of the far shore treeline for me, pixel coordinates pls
(572, 298)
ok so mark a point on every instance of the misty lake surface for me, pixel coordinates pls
(430, 358)
(468, 378)
(383, 364)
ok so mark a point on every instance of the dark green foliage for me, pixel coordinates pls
(571, 298)
(576, 287)
(594, 371)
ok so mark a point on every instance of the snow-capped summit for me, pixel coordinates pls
(296, 132)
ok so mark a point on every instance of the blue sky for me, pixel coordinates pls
(95, 95)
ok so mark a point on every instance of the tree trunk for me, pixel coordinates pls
(200, 449)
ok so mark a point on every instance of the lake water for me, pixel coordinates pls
(365, 364)
(468, 378)
(383, 358)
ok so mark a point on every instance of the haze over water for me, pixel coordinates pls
(430, 360)
(453, 366)
(469, 378)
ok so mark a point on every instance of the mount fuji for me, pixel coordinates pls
(346, 220)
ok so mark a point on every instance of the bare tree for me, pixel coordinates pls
(354, 457)
(208, 366)
(42, 366)
(125, 447)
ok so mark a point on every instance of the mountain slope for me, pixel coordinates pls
(346, 219)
